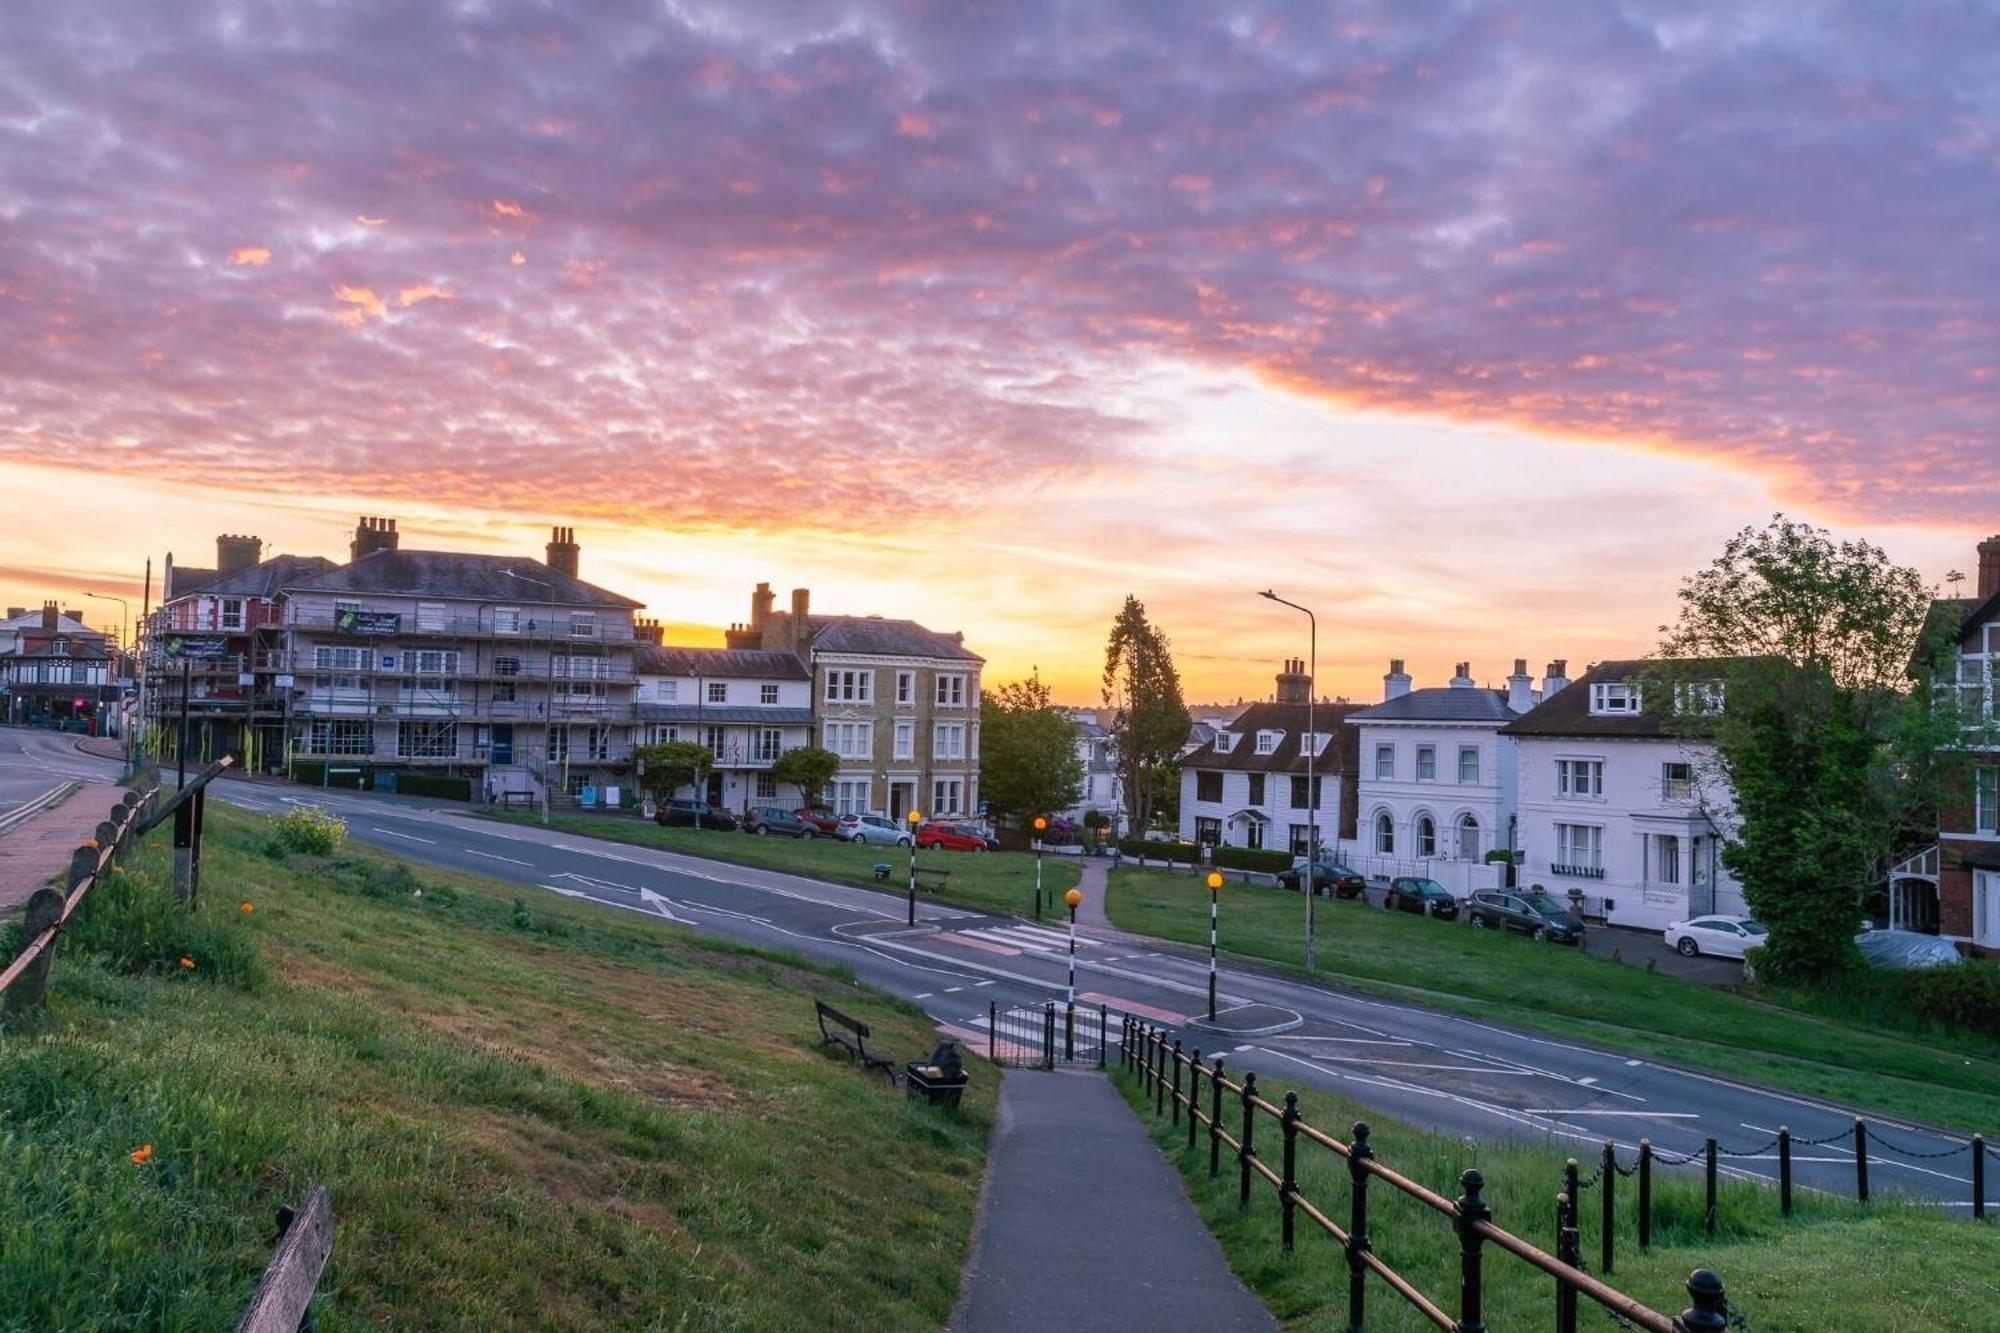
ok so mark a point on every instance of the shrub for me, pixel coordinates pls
(136, 925)
(1964, 997)
(308, 829)
(1179, 853)
(1265, 859)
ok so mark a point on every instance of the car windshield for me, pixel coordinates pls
(1430, 888)
(1543, 904)
(1753, 927)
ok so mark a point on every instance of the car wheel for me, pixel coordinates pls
(1541, 934)
(762, 831)
(982, 847)
(1687, 948)
(806, 836)
(1388, 902)
(1479, 922)
(902, 842)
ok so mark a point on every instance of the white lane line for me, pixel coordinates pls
(1591, 1110)
(983, 983)
(1350, 1041)
(953, 990)
(925, 996)
(495, 856)
(389, 832)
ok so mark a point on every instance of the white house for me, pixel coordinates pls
(1103, 788)
(1247, 786)
(1436, 783)
(1612, 805)
(747, 706)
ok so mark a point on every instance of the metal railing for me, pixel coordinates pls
(530, 629)
(1162, 1068)
(1043, 1036)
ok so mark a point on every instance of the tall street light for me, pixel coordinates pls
(125, 648)
(1214, 891)
(1311, 745)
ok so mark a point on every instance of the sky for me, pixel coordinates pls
(1473, 327)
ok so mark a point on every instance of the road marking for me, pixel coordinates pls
(494, 856)
(1134, 1007)
(925, 996)
(953, 990)
(985, 945)
(1591, 1110)
(1634, 1064)
(389, 832)
(1351, 1041)
(1586, 1082)
(987, 982)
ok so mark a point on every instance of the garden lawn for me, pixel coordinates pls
(529, 1114)
(1511, 979)
(1001, 882)
(1832, 1265)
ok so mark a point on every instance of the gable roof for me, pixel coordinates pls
(1567, 712)
(743, 663)
(65, 625)
(462, 576)
(1442, 703)
(1977, 613)
(873, 636)
(266, 578)
(1290, 755)
(180, 580)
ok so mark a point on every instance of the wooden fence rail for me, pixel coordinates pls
(305, 1243)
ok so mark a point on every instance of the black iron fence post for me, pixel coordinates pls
(1569, 1249)
(1177, 1082)
(1357, 1225)
(1247, 1150)
(1049, 1036)
(1709, 1312)
(1103, 1026)
(1606, 1185)
(1160, 1076)
(1471, 1212)
(1194, 1094)
(1978, 1177)
(1861, 1159)
(1569, 1186)
(1645, 1193)
(1708, 1169)
(1785, 1169)
(993, 1032)
(1215, 1119)
(1288, 1187)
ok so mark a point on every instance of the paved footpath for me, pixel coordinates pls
(38, 849)
(1084, 1227)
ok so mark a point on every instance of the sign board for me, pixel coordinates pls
(196, 647)
(284, 682)
(245, 678)
(984, 809)
(388, 661)
(347, 620)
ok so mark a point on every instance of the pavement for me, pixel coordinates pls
(1083, 1225)
(70, 794)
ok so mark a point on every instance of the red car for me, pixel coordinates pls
(824, 822)
(936, 837)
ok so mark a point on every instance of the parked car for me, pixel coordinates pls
(935, 836)
(1426, 897)
(873, 830)
(1719, 936)
(694, 814)
(1534, 914)
(766, 820)
(1904, 950)
(822, 819)
(1327, 876)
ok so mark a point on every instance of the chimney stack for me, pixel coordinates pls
(1462, 676)
(236, 553)
(563, 551)
(761, 602)
(372, 535)
(1989, 568)
(1294, 685)
(50, 613)
(645, 630)
(1520, 688)
(1555, 678)
(802, 622)
(16, 612)
(1397, 683)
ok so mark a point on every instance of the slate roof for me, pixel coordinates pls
(1442, 704)
(82, 650)
(1568, 712)
(461, 576)
(1289, 757)
(873, 636)
(186, 579)
(735, 663)
(264, 580)
(64, 624)
(1977, 613)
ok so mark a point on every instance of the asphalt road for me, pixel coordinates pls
(1446, 1072)
(34, 761)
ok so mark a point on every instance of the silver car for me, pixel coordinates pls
(874, 830)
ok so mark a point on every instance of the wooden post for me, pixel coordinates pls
(194, 857)
(44, 909)
(305, 1241)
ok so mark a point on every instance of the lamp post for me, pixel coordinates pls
(1040, 824)
(1073, 898)
(124, 648)
(1214, 893)
(549, 701)
(1311, 745)
(914, 817)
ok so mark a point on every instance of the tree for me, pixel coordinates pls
(671, 765)
(1794, 658)
(1028, 762)
(810, 768)
(1151, 722)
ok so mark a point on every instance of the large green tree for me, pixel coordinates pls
(810, 768)
(1151, 720)
(670, 765)
(1028, 761)
(1798, 658)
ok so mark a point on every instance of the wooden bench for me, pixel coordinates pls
(854, 1039)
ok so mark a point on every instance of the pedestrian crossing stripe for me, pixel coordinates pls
(1025, 937)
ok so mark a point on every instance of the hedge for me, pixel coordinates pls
(312, 773)
(443, 786)
(1175, 853)
(1253, 858)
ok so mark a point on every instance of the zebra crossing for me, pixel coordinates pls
(1017, 939)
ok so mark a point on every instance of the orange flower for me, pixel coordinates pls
(187, 963)
(142, 1154)
(246, 909)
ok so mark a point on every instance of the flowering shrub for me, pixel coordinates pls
(308, 829)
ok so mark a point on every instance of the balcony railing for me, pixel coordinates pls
(1576, 871)
(531, 629)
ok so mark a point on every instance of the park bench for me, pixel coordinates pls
(854, 1038)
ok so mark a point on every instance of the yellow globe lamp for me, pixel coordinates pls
(1040, 823)
(1214, 880)
(1073, 897)
(914, 817)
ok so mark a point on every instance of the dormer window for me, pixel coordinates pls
(1225, 741)
(1699, 697)
(1267, 741)
(1614, 698)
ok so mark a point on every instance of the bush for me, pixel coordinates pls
(310, 830)
(1964, 997)
(1253, 858)
(136, 925)
(1177, 853)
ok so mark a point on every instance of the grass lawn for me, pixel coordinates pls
(1509, 978)
(986, 881)
(1832, 1265)
(530, 1114)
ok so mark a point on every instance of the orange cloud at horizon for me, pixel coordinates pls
(254, 256)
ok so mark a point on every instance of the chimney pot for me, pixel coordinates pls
(1520, 688)
(49, 615)
(562, 551)
(1989, 568)
(1555, 678)
(372, 535)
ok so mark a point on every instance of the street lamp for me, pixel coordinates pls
(549, 700)
(914, 817)
(1214, 890)
(1073, 898)
(125, 648)
(1040, 824)
(1312, 744)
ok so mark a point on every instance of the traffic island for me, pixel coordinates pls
(1250, 1020)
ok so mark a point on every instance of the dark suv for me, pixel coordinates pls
(1534, 914)
(766, 820)
(694, 814)
(1326, 875)
(1426, 897)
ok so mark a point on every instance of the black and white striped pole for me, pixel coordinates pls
(1214, 894)
(1040, 825)
(1073, 897)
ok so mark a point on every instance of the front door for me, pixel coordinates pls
(901, 797)
(503, 743)
(1468, 839)
(714, 788)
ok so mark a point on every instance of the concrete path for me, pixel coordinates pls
(37, 849)
(1084, 1227)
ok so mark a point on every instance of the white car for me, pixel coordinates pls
(1718, 936)
(877, 830)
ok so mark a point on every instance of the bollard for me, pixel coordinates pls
(1215, 1119)
(1247, 1150)
(1177, 1082)
(1645, 1193)
(1708, 1154)
(1605, 1186)
(1978, 1177)
(1287, 1203)
(1861, 1159)
(1709, 1312)
(1194, 1094)
(1785, 1169)
(1471, 1211)
(44, 909)
(1357, 1225)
